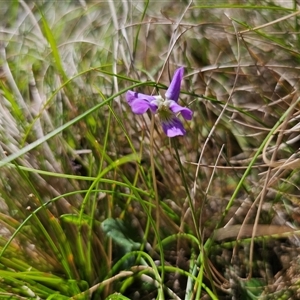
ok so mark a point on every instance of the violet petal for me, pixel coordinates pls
(139, 106)
(173, 91)
(140, 103)
(173, 127)
(131, 96)
(185, 112)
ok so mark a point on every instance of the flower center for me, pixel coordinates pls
(163, 110)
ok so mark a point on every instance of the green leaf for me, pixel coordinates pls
(120, 234)
(254, 288)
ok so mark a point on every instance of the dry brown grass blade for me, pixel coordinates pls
(271, 23)
(233, 232)
(284, 164)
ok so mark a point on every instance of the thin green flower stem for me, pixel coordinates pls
(153, 172)
(210, 240)
(148, 223)
(157, 221)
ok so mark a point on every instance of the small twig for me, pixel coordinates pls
(270, 23)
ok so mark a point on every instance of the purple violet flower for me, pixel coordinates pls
(165, 108)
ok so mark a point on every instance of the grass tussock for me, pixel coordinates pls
(97, 202)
